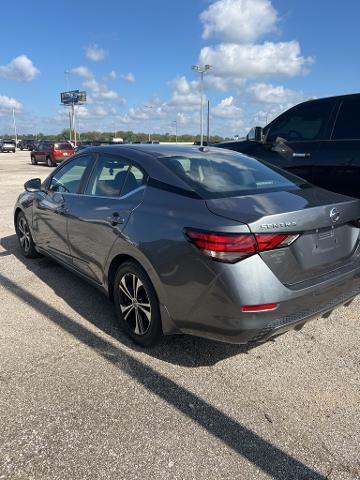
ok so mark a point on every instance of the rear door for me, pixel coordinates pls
(303, 127)
(340, 155)
(38, 153)
(97, 218)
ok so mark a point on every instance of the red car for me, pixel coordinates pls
(51, 153)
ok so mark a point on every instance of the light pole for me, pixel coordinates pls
(15, 130)
(149, 107)
(201, 69)
(176, 133)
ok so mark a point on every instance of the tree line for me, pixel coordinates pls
(127, 136)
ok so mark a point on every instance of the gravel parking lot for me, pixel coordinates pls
(79, 401)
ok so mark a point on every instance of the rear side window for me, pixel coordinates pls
(108, 177)
(214, 175)
(347, 124)
(304, 122)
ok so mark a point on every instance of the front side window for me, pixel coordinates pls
(347, 123)
(68, 178)
(215, 175)
(305, 122)
(108, 177)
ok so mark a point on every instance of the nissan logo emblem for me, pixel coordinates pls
(334, 215)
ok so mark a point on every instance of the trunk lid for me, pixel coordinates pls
(328, 241)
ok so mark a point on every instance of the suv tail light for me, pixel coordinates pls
(230, 247)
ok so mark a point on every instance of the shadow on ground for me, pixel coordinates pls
(92, 306)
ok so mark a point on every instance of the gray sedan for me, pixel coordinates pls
(195, 240)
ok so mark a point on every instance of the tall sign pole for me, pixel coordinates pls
(72, 99)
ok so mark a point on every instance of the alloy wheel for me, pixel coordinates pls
(24, 234)
(134, 303)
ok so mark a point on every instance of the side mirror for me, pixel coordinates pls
(255, 135)
(33, 185)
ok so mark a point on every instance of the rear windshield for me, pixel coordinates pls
(9, 142)
(214, 175)
(63, 146)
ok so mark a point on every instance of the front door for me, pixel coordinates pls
(302, 129)
(51, 208)
(340, 156)
(98, 217)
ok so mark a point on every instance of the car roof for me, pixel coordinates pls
(154, 150)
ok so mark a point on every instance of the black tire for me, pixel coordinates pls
(142, 323)
(33, 160)
(26, 242)
(49, 162)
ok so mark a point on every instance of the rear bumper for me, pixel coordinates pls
(216, 312)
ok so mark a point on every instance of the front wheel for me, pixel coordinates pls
(136, 305)
(23, 233)
(49, 162)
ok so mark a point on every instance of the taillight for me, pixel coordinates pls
(356, 223)
(230, 247)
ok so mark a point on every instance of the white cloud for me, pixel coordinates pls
(112, 75)
(101, 91)
(185, 94)
(239, 21)
(8, 103)
(226, 109)
(81, 72)
(20, 68)
(95, 53)
(100, 111)
(233, 61)
(268, 93)
(129, 77)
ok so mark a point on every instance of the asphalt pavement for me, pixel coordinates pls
(78, 400)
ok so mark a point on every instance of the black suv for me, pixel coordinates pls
(318, 140)
(29, 144)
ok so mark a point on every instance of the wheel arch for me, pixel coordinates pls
(168, 325)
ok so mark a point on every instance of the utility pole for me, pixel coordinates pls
(176, 132)
(150, 109)
(208, 122)
(201, 69)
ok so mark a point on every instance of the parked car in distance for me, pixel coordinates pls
(318, 140)
(51, 153)
(195, 240)
(27, 144)
(7, 146)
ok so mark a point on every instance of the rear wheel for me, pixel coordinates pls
(136, 305)
(33, 160)
(49, 162)
(23, 233)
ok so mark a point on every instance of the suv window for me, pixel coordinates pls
(347, 124)
(68, 178)
(304, 122)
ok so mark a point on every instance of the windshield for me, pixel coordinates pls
(214, 175)
(63, 146)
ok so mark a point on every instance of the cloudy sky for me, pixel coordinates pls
(134, 60)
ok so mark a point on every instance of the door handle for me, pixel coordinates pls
(301, 155)
(115, 219)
